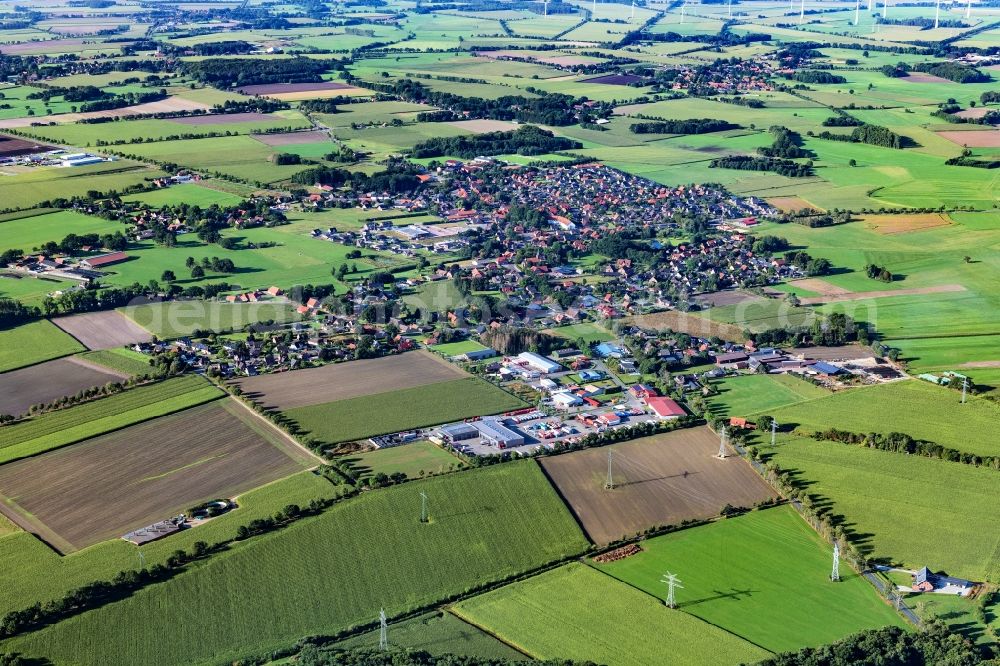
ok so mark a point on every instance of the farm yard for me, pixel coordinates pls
(577, 612)
(763, 576)
(485, 525)
(45, 382)
(103, 330)
(659, 480)
(103, 487)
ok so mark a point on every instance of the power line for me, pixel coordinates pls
(424, 518)
(774, 430)
(383, 631)
(965, 385)
(835, 574)
(671, 581)
(610, 483)
(723, 436)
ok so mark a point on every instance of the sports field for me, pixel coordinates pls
(763, 576)
(101, 488)
(576, 612)
(485, 525)
(32, 343)
(886, 500)
(659, 480)
(47, 382)
(915, 407)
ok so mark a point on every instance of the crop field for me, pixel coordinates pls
(886, 500)
(342, 381)
(174, 319)
(126, 361)
(32, 343)
(692, 324)
(438, 633)
(764, 576)
(576, 612)
(917, 408)
(52, 430)
(25, 190)
(745, 394)
(42, 573)
(402, 409)
(414, 460)
(189, 193)
(485, 525)
(49, 381)
(28, 232)
(103, 330)
(103, 487)
(659, 480)
(588, 332)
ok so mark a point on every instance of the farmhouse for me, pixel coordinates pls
(665, 408)
(538, 362)
(102, 260)
(926, 581)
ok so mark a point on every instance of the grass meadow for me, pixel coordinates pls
(414, 460)
(123, 360)
(33, 230)
(394, 411)
(747, 394)
(34, 342)
(763, 576)
(887, 501)
(576, 612)
(174, 319)
(485, 525)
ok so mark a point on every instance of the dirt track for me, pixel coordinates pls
(339, 381)
(660, 480)
(863, 295)
(103, 330)
(45, 382)
(103, 487)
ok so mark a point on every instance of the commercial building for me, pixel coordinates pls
(539, 362)
(565, 400)
(665, 408)
(458, 432)
(497, 434)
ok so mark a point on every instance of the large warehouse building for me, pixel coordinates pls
(494, 432)
(539, 362)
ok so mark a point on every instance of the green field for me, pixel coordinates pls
(177, 318)
(438, 633)
(191, 194)
(33, 343)
(29, 232)
(123, 360)
(414, 460)
(763, 576)
(74, 424)
(484, 525)
(576, 612)
(915, 407)
(589, 332)
(458, 348)
(395, 411)
(43, 574)
(25, 190)
(887, 500)
(754, 394)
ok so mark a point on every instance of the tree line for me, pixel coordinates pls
(692, 126)
(527, 140)
(899, 442)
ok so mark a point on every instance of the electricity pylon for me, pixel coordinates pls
(835, 574)
(671, 582)
(383, 632)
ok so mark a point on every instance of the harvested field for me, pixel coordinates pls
(900, 224)
(791, 204)
(974, 139)
(340, 381)
(818, 286)
(728, 297)
(103, 330)
(20, 389)
(12, 147)
(103, 487)
(920, 77)
(283, 88)
(972, 113)
(222, 119)
(292, 138)
(683, 322)
(863, 295)
(484, 125)
(659, 480)
(615, 79)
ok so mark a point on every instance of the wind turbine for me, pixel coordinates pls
(857, 11)
(937, 14)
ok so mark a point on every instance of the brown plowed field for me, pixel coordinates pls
(12, 147)
(45, 382)
(103, 330)
(974, 138)
(106, 486)
(659, 480)
(339, 381)
(683, 322)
